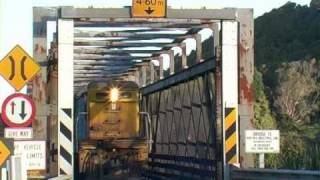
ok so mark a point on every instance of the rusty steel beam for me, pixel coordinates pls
(117, 44)
(246, 87)
(106, 51)
(128, 37)
(127, 31)
(138, 24)
(131, 33)
(146, 20)
(98, 64)
(101, 67)
(95, 57)
(95, 76)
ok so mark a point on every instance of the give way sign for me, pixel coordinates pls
(18, 110)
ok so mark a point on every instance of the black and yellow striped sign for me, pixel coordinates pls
(230, 128)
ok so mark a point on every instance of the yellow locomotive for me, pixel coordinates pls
(113, 138)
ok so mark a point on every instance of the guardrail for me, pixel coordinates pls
(272, 174)
(65, 177)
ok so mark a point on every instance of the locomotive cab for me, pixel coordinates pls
(113, 137)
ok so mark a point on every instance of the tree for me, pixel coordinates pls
(297, 92)
(315, 4)
(263, 118)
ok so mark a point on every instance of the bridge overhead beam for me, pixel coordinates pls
(209, 14)
(102, 51)
(138, 23)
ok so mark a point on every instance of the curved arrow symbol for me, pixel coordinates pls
(22, 68)
(12, 68)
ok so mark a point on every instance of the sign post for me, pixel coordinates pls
(261, 160)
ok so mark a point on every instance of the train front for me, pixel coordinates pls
(116, 141)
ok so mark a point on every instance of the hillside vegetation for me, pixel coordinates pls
(287, 82)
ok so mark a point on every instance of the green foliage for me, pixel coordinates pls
(282, 37)
(287, 34)
(297, 91)
(263, 118)
(296, 152)
(296, 108)
(315, 4)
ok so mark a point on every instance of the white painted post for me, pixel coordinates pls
(261, 160)
(4, 174)
(18, 169)
(65, 97)
(230, 94)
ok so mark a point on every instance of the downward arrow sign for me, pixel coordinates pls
(149, 10)
(23, 114)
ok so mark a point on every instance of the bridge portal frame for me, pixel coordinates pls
(245, 48)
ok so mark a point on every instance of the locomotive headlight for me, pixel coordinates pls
(114, 95)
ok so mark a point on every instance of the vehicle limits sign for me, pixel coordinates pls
(33, 152)
(262, 141)
(149, 8)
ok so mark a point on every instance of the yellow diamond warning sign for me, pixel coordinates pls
(18, 67)
(149, 8)
(4, 153)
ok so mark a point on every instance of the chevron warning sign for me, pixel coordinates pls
(65, 148)
(231, 136)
